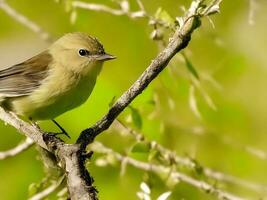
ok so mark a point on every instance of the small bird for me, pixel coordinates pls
(54, 81)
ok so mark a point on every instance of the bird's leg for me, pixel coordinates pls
(35, 124)
(61, 128)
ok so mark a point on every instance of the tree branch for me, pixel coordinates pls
(17, 150)
(24, 20)
(124, 9)
(179, 41)
(41, 195)
(23, 127)
(171, 156)
(158, 169)
(69, 156)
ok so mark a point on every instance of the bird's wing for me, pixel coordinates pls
(22, 79)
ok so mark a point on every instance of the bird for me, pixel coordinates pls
(56, 80)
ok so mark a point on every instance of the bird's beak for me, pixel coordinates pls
(105, 57)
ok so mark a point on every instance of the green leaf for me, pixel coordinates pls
(193, 102)
(164, 196)
(141, 147)
(33, 189)
(197, 167)
(164, 16)
(112, 101)
(152, 102)
(68, 5)
(190, 67)
(136, 117)
(154, 154)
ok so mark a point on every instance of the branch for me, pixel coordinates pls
(41, 195)
(178, 42)
(17, 150)
(24, 21)
(252, 10)
(79, 181)
(170, 156)
(158, 169)
(23, 127)
(124, 9)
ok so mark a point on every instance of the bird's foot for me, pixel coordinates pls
(57, 134)
(50, 138)
(61, 128)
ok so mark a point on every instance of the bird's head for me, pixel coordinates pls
(79, 52)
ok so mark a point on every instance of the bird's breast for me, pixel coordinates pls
(60, 92)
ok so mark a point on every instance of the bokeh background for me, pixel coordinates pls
(230, 60)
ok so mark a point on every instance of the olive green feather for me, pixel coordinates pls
(22, 79)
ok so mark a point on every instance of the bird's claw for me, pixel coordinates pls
(56, 134)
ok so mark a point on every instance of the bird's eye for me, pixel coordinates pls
(83, 52)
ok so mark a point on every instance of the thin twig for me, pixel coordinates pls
(168, 154)
(159, 169)
(24, 21)
(252, 11)
(141, 5)
(17, 150)
(23, 127)
(45, 193)
(97, 7)
(104, 8)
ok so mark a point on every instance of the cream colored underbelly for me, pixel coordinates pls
(53, 99)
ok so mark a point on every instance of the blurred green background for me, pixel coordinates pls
(230, 139)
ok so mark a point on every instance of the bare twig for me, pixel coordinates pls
(23, 127)
(159, 169)
(168, 155)
(252, 10)
(97, 7)
(231, 179)
(24, 21)
(41, 195)
(103, 8)
(17, 150)
(140, 4)
(123, 10)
